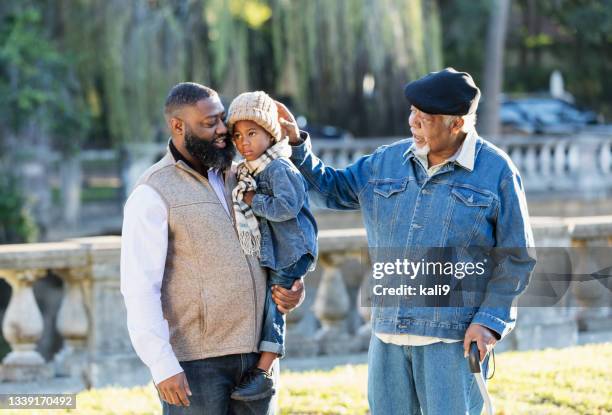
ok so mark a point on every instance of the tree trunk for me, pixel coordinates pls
(494, 67)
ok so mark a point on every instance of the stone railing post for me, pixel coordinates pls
(332, 307)
(111, 358)
(545, 161)
(364, 307)
(301, 328)
(73, 323)
(516, 154)
(559, 160)
(22, 328)
(531, 161)
(584, 157)
(605, 158)
(593, 299)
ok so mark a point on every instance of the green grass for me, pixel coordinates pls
(576, 381)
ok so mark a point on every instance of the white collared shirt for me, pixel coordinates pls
(465, 155)
(144, 244)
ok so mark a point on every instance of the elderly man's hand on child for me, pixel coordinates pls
(288, 123)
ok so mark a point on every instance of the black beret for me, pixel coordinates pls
(445, 92)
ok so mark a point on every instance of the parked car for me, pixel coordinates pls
(544, 116)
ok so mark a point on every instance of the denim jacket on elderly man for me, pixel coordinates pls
(476, 204)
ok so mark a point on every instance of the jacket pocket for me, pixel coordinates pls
(471, 197)
(466, 223)
(388, 187)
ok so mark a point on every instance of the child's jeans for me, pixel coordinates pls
(273, 330)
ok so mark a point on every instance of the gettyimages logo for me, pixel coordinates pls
(413, 269)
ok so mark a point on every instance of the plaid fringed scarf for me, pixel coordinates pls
(246, 222)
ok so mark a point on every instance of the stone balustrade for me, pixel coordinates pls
(547, 163)
(563, 165)
(563, 176)
(342, 153)
(91, 319)
(559, 164)
(21, 266)
(95, 349)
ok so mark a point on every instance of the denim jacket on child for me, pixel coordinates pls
(287, 226)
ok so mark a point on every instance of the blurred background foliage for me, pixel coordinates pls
(84, 72)
(102, 69)
(573, 36)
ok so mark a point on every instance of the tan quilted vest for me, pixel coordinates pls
(212, 294)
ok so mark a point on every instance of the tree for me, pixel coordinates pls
(316, 53)
(494, 68)
(39, 95)
(40, 111)
(572, 36)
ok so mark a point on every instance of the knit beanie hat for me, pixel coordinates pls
(258, 107)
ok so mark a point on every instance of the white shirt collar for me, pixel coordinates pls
(465, 155)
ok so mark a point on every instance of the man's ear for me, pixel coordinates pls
(457, 125)
(177, 126)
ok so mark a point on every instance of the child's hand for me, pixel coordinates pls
(288, 124)
(248, 197)
(287, 300)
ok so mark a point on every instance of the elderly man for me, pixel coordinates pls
(445, 187)
(194, 300)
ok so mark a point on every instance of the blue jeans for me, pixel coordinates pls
(273, 329)
(434, 379)
(212, 381)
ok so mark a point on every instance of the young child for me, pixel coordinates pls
(273, 220)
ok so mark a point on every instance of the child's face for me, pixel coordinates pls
(250, 139)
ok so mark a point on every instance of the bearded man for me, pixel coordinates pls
(194, 300)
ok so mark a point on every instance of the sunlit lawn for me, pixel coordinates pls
(575, 381)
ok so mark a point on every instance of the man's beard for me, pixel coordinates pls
(209, 155)
(421, 151)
